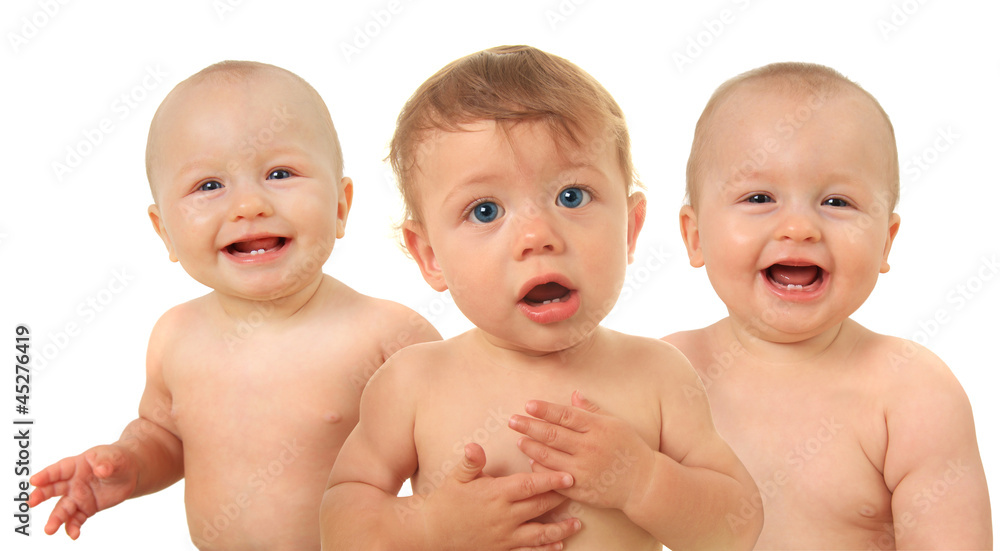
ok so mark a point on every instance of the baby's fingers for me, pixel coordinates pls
(64, 510)
(60, 470)
(545, 455)
(522, 486)
(74, 524)
(546, 537)
(42, 492)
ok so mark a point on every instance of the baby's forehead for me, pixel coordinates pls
(574, 147)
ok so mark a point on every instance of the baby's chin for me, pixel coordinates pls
(545, 341)
(782, 324)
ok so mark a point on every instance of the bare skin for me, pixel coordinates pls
(251, 389)
(856, 440)
(254, 430)
(618, 459)
(463, 393)
(823, 425)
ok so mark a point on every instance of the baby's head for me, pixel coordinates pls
(516, 172)
(792, 181)
(246, 173)
(803, 88)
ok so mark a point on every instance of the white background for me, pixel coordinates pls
(64, 237)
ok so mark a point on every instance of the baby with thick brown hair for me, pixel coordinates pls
(538, 428)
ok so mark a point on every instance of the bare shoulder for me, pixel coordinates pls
(904, 367)
(686, 340)
(656, 359)
(391, 322)
(176, 323)
(412, 369)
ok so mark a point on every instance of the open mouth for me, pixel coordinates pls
(546, 293)
(256, 247)
(795, 277)
(548, 301)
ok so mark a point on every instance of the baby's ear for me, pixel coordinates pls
(161, 230)
(893, 228)
(636, 218)
(415, 237)
(692, 239)
(345, 195)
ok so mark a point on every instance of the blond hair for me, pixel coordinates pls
(795, 77)
(508, 84)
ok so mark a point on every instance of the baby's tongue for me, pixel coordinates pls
(546, 291)
(266, 243)
(793, 275)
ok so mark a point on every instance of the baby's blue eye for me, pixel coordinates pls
(210, 185)
(836, 202)
(760, 198)
(573, 197)
(279, 174)
(485, 212)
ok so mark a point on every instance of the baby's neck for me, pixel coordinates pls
(776, 351)
(510, 354)
(273, 310)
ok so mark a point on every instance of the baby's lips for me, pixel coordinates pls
(265, 243)
(794, 275)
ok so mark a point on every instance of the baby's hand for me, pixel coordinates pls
(472, 510)
(100, 477)
(609, 461)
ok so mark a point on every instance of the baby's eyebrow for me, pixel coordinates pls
(191, 168)
(477, 180)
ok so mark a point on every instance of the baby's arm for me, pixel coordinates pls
(146, 458)
(468, 510)
(687, 494)
(932, 463)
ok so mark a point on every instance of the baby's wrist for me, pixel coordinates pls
(645, 472)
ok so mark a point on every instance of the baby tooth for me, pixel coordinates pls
(261, 251)
(556, 299)
(252, 253)
(544, 302)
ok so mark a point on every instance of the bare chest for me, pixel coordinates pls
(815, 452)
(261, 427)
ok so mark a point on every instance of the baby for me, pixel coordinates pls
(516, 171)
(251, 389)
(856, 440)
